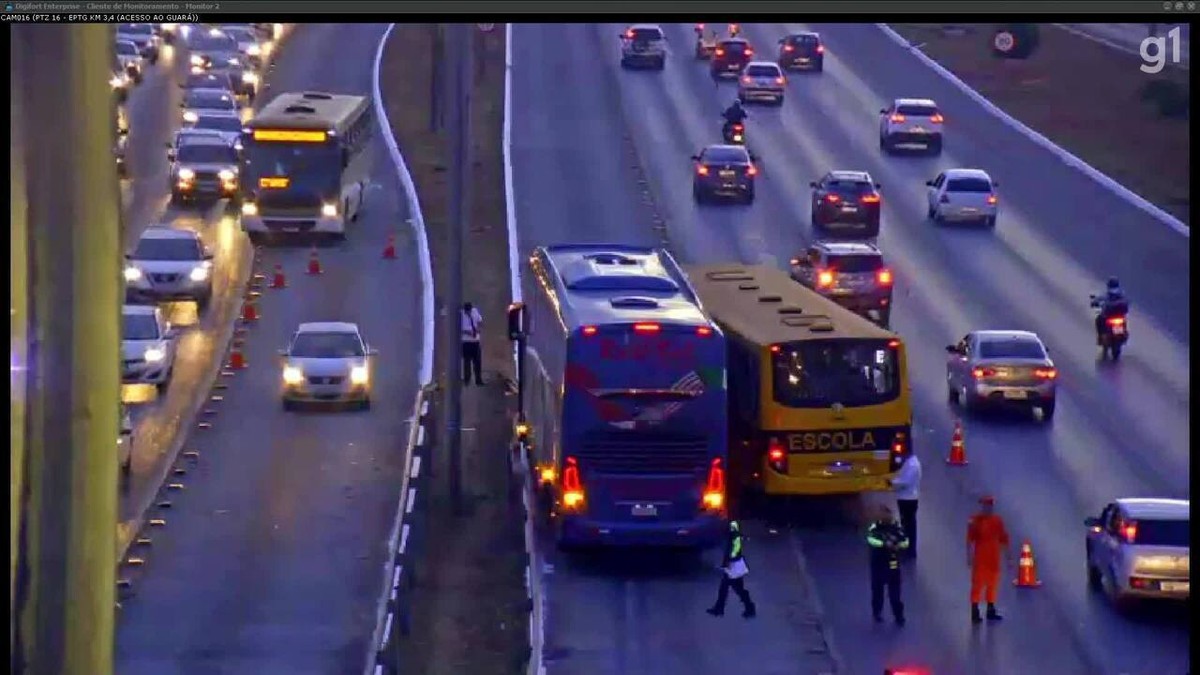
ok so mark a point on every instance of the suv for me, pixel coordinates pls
(802, 51)
(147, 347)
(644, 44)
(847, 200)
(911, 121)
(730, 57)
(204, 165)
(1140, 548)
(852, 274)
(169, 264)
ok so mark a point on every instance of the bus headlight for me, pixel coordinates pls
(132, 274)
(226, 175)
(249, 78)
(196, 60)
(190, 116)
(199, 273)
(358, 375)
(249, 209)
(292, 375)
(155, 354)
(329, 210)
(185, 174)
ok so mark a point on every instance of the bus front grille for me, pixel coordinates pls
(607, 454)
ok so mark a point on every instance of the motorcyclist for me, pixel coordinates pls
(734, 114)
(1112, 303)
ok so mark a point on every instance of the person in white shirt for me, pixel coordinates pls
(472, 355)
(905, 486)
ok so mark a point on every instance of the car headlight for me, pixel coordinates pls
(359, 375)
(254, 50)
(154, 354)
(132, 274)
(226, 174)
(292, 375)
(185, 174)
(249, 78)
(199, 273)
(190, 116)
(196, 60)
(329, 210)
(117, 81)
(249, 209)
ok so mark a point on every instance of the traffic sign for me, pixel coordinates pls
(487, 27)
(1004, 41)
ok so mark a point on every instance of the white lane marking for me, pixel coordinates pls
(396, 576)
(424, 408)
(387, 631)
(412, 497)
(420, 438)
(1066, 157)
(416, 467)
(403, 540)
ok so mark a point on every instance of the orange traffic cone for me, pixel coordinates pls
(236, 360)
(1026, 568)
(278, 281)
(958, 451)
(314, 265)
(389, 251)
(249, 312)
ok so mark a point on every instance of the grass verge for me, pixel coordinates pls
(1084, 96)
(469, 606)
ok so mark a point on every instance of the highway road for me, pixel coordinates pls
(1120, 430)
(270, 558)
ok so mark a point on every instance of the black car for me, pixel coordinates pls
(215, 52)
(846, 200)
(724, 171)
(850, 273)
(802, 51)
(144, 36)
(730, 56)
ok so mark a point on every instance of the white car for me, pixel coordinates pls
(326, 362)
(169, 264)
(962, 195)
(129, 60)
(147, 347)
(125, 441)
(911, 122)
(198, 101)
(644, 44)
(1141, 548)
(762, 81)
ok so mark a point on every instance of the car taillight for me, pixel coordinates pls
(702, 170)
(779, 80)
(572, 486)
(629, 34)
(719, 52)
(1116, 321)
(991, 200)
(936, 118)
(777, 457)
(897, 118)
(870, 199)
(739, 127)
(751, 170)
(1129, 531)
(546, 475)
(714, 490)
(704, 331)
(788, 48)
(825, 278)
(1045, 373)
(589, 330)
(820, 49)
(748, 80)
(983, 372)
(749, 52)
(884, 277)
(646, 328)
(832, 199)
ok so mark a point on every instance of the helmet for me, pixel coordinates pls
(737, 103)
(1113, 283)
(734, 527)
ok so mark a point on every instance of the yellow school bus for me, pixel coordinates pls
(819, 397)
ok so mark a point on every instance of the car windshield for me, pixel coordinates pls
(724, 156)
(762, 71)
(136, 29)
(206, 153)
(203, 99)
(820, 373)
(241, 34)
(1164, 533)
(139, 327)
(126, 49)
(1015, 348)
(202, 80)
(206, 42)
(326, 346)
(734, 47)
(804, 40)
(853, 264)
(917, 110)
(850, 187)
(167, 249)
(218, 123)
(968, 185)
(645, 34)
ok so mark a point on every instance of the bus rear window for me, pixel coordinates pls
(820, 373)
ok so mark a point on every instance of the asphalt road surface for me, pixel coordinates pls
(270, 559)
(1120, 430)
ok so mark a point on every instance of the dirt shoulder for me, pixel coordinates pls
(469, 612)
(1084, 96)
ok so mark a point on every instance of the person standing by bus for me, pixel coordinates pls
(905, 485)
(733, 575)
(987, 538)
(472, 353)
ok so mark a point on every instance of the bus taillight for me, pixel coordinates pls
(703, 331)
(572, 486)
(714, 491)
(777, 457)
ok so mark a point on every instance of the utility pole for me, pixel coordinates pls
(458, 50)
(64, 590)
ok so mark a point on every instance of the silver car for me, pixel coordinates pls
(762, 81)
(1001, 367)
(204, 166)
(1140, 548)
(326, 362)
(911, 122)
(147, 347)
(962, 195)
(169, 264)
(644, 45)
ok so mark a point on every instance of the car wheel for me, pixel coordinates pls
(885, 145)
(161, 387)
(779, 100)
(964, 399)
(1048, 410)
(741, 97)
(662, 64)
(175, 199)
(697, 194)
(872, 230)
(1109, 585)
(1116, 351)
(1093, 575)
(952, 394)
(990, 222)
(819, 67)
(936, 217)
(127, 465)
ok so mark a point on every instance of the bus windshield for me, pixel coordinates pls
(313, 165)
(850, 372)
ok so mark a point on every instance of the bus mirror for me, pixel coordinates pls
(516, 320)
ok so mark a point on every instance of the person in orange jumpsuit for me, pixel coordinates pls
(987, 538)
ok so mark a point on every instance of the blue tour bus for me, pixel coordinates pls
(625, 397)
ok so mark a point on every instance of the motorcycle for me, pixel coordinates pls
(1113, 332)
(735, 134)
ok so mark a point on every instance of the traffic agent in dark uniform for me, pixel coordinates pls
(886, 540)
(733, 575)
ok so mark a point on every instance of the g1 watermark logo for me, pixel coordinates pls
(1154, 51)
